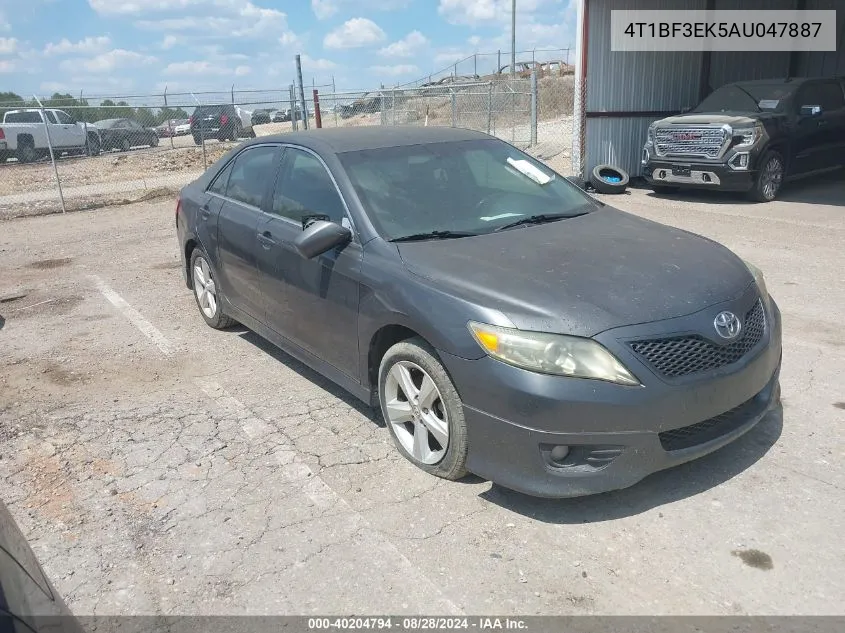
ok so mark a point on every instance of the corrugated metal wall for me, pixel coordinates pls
(632, 81)
(826, 63)
(654, 81)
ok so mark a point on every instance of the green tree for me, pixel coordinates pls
(10, 101)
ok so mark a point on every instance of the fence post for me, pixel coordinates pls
(393, 106)
(489, 106)
(233, 94)
(334, 101)
(454, 107)
(292, 97)
(168, 120)
(499, 58)
(50, 147)
(202, 135)
(305, 125)
(318, 120)
(533, 106)
(474, 65)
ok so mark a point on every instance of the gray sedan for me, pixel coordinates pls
(506, 323)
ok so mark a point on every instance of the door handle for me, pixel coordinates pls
(205, 212)
(266, 239)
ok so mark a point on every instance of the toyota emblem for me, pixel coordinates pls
(727, 325)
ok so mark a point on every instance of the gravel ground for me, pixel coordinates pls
(190, 471)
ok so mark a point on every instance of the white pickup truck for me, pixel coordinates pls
(23, 135)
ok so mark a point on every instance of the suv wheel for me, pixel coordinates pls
(197, 139)
(769, 178)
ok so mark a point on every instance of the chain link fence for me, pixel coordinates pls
(74, 154)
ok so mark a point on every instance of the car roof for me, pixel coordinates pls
(789, 81)
(351, 139)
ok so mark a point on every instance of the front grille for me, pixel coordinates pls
(703, 142)
(679, 356)
(695, 434)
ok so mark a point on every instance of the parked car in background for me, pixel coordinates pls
(165, 130)
(750, 136)
(557, 68)
(222, 122)
(523, 69)
(506, 323)
(368, 103)
(280, 116)
(23, 135)
(28, 601)
(182, 127)
(260, 117)
(124, 134)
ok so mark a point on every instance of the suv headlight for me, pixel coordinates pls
(760, 280)
(650, 135)
(556, 354)
(747, 135)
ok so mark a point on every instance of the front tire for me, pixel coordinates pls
(125, 145)
(206, 292)
(422, 409)
(93, 148)
(769, 179)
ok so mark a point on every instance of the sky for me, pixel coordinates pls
(120, 47)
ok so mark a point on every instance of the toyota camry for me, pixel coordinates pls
(505, 322)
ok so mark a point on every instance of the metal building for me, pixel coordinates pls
(618, 94)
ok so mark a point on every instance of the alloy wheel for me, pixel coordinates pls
(205, 288)
(416, 412)
(772, 177)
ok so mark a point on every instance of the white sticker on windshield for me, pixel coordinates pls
(527, 169)
(500, 216)
(768, 104)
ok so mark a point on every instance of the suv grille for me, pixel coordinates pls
(715, 427)
(684, 355)
(705, 142)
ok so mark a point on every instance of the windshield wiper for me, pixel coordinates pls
(433, 235)
(540, 218)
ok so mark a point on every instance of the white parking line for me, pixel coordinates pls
(292, 467)
(135, 317)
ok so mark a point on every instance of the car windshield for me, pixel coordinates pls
(459, 187)
(747, 98)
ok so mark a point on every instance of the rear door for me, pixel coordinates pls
(247, 190)
(313, 302)
(820, 138)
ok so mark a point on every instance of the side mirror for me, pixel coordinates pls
(319, 237)
(811, 110)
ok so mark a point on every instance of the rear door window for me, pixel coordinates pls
(252, 171)
(23, 117)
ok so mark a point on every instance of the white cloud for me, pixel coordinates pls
(135, 7)
(323, 8)
(223, 18)
(355, 33)
(475, 12)
(309, 64)
(241, 71)
(205, 67)
(406, 47)
(107, 62)
(169, 42)
(8, 45)
(398, 69)
(88, 46)
(7, 66)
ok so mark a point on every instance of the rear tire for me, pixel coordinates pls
(125, 145)
(206, 292)
(197, 140)
(27, 153)
(407, 414)
(93, 148)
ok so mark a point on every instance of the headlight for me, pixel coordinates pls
(747, 135)
(760, 280)
(650, 136)
(551, 353)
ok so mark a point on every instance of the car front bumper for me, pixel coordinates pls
(702, 175)
(617, 435)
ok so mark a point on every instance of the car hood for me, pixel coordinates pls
(583, 275)
(734, 119)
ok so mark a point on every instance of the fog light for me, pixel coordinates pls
(705, 177)
(559, 453)
(662, 174)
(739, 161)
